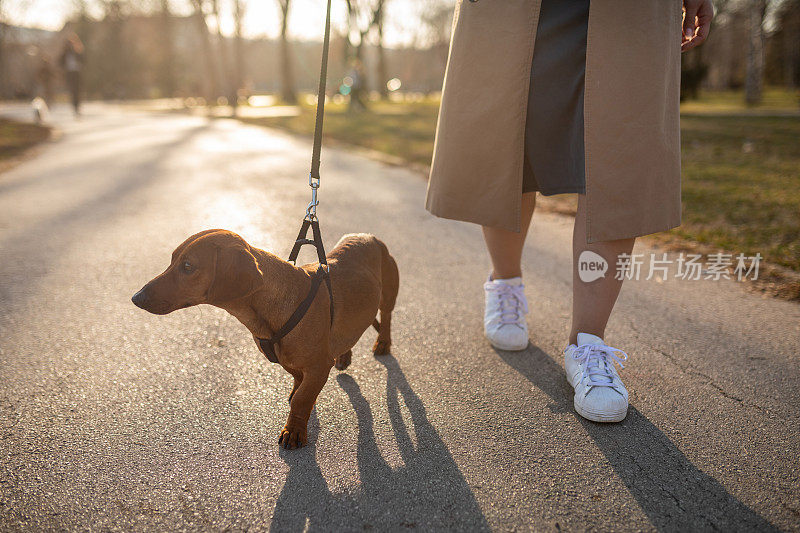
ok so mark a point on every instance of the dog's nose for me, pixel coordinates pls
(139, 299)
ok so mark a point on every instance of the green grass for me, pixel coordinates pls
(741, 185)
(774, 100)
(16, 137)
(741, 166)
(405, 130)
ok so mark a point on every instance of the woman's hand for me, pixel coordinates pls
(697, 15)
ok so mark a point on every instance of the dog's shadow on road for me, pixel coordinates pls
(428, 492)
(674, 494)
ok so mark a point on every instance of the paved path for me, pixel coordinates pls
(111, 418)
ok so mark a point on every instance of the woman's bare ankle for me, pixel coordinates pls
(505, 274)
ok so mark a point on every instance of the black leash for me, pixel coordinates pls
(310, 220)
(323, 78)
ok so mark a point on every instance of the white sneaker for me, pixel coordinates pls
(600, 395)
(504, 315)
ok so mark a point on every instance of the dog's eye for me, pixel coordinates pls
(187, 267)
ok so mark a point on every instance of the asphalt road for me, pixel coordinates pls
(112, 418)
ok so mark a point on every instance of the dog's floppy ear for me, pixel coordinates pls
(236, 274)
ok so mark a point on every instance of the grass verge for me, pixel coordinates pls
(403, 130)
(17, 137)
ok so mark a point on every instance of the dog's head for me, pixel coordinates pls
(214, 267)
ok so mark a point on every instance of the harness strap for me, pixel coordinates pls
(302, 238)
(268, 345)
(322, 273)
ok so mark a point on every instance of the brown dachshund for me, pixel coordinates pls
(262, 291)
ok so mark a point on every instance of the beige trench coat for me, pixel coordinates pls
(631, 116)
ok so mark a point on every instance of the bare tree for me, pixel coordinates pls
(288, 92)
(3, 76)
(362, 16)
(20, 6)
(238, 16)
(226, 69)
(380, 17)
(788, 35)
(753, 85)
(210, 81)
(436, 19)
(114, 52)
(166, 67)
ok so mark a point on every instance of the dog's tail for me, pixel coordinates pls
(376, 325)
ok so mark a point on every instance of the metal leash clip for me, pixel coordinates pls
(311, 210)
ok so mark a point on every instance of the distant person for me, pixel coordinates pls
(555, 97)
(356, 76)
(72, 63)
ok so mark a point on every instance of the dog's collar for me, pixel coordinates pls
(268, 345)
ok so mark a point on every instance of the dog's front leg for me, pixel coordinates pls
(294, 433)
(298, 379)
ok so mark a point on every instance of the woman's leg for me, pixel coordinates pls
(593, 301)
(505, 308)
(505, 247)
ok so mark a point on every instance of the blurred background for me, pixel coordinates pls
(222, 50)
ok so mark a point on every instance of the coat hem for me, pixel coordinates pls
(442, 208)
(633, 234)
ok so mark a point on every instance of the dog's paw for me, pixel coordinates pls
(381, 347)
(343, 361)
(292, 438)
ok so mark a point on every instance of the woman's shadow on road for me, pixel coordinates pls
(428, 492)
(674, 494)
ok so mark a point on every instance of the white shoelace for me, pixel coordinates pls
(512, 299)
(598, 363)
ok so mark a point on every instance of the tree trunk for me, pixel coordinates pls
(791, 54)
(239, 46)
(166, 75)
(382, 71)
(288, 93)
(351, 25)
(225, 69)
(115, 65)
(754, 79)
(210, 81)
(3, 76)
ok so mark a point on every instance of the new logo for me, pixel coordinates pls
(591, 266)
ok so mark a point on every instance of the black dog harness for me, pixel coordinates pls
(322, 273)
(310, 220)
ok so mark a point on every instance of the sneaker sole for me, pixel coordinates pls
(508, 348)
(600, 417)
(594, 416)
